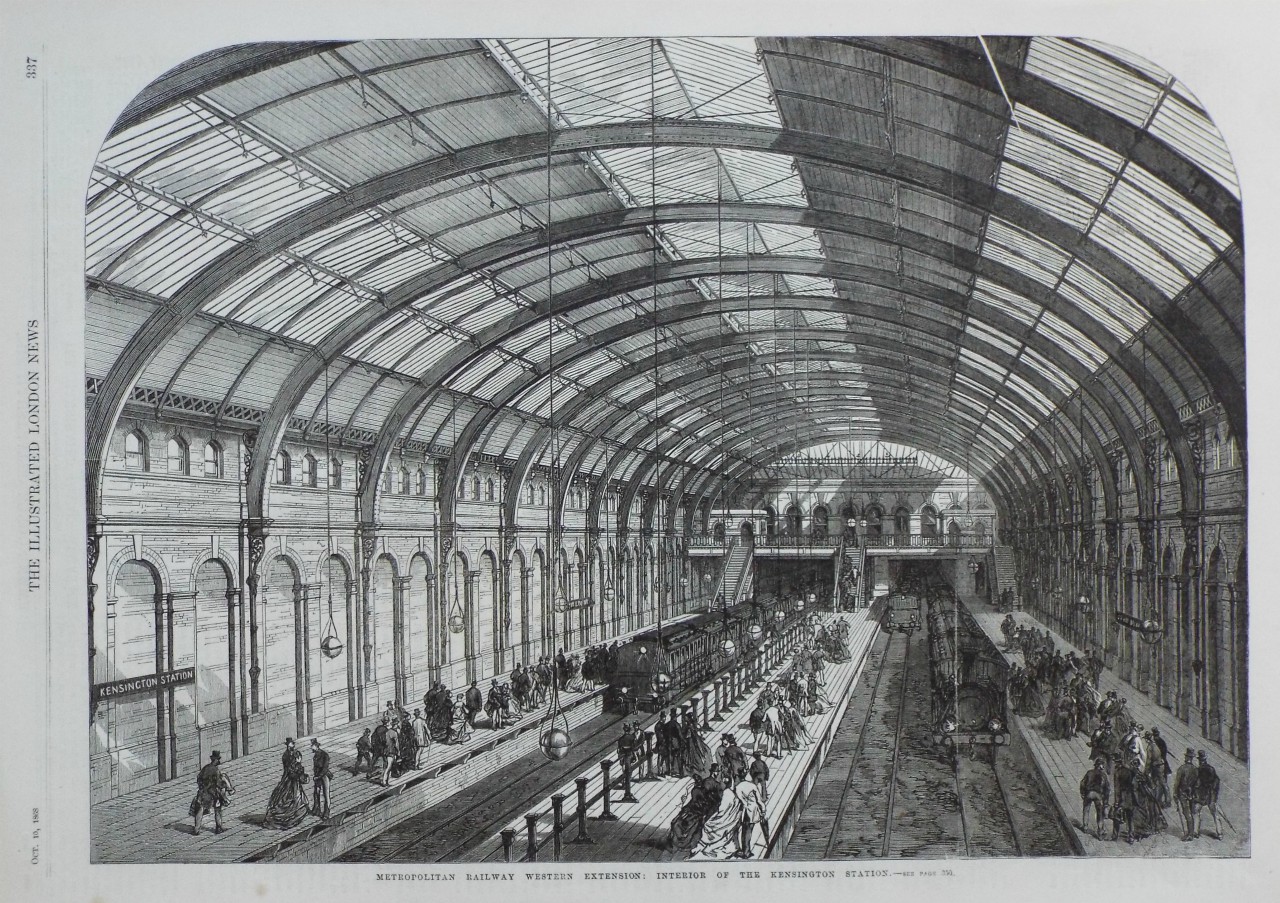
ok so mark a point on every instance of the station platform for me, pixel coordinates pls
(1062, 763)
(639, 832)
(152, 825)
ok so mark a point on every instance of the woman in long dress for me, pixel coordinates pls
(575, 683)
(793, 725)
(686, 827)
(720, 830)
(288, 804)
(697, 755)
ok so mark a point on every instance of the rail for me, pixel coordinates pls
(718, 587)
(799, 542)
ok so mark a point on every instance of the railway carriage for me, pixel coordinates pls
(968, 675)
(654, 666)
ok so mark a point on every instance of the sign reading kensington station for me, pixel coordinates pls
(144, 684)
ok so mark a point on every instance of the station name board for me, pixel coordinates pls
(1127, 620)
(145, 683)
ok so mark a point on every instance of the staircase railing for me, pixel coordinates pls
(718, 586)
(739, 569)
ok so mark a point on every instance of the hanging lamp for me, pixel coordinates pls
(457, 622)
(608, 591)
(554, 739)
(1152, 629)
(660, 680)
(331, 646)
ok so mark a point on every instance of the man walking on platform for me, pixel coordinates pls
(733, 764)
(321, 775)
(213, 791)
(756, 723)
(422, 733)
(748, 795)
(1207, 785)
(392, 752)
(663, 748)
(675, 745)
(1095, 791)
(562, 669)
(760, 774)
(1185, 793)
(474, 701)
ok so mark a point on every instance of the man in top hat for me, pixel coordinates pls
(1109, 707)
(1158, 764)
(1185, 792)
(626, 746)
(733, 762)
(661, 747)
(1207, 792)
(320, 776)
(1095, 790)
(213, 791)
(392, 751)
(759, 772)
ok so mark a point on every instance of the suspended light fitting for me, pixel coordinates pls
(554, 740)
(457, 621)
(331, 646)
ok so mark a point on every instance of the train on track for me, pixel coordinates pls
(903, 610)
(656, 666)
(968, 675)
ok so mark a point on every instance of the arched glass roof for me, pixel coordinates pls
(682, 250)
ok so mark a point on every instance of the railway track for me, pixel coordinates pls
(886, 791)
(435, 835)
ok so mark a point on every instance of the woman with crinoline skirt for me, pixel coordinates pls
(288, 804)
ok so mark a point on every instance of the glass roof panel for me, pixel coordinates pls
(1115, 236)
(1006, 301)
(1044, 195)
(1072, 341)
(1049, 370)
(1173, 203)
(1092, 76)
(1167, 233)
(1098, 297)
(1061, 153)
(974, 327)
(1188, 129)
(1029, 392)
(1007, 244)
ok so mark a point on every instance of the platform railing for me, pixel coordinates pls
(916, 541)
(825, 543)
(547, 825)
